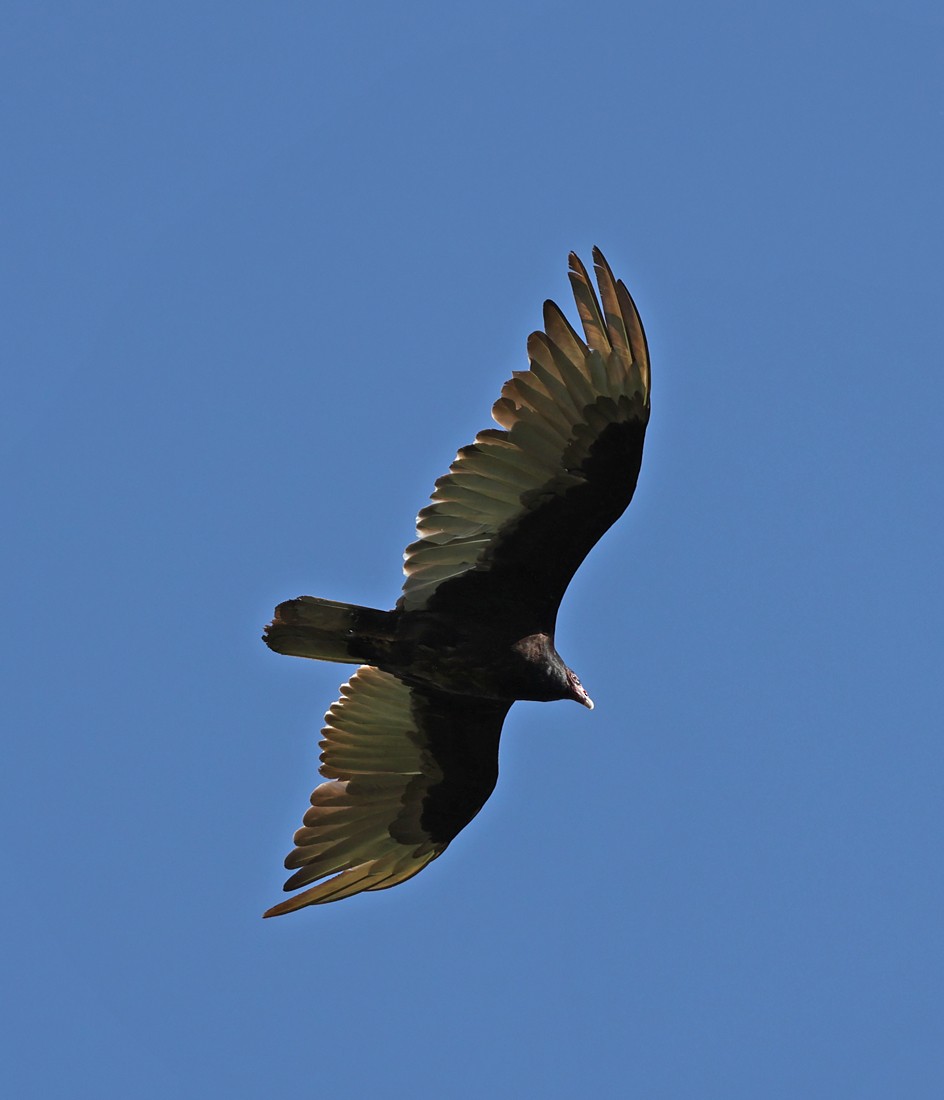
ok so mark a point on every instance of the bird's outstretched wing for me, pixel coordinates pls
(407, 769)
(520, 508)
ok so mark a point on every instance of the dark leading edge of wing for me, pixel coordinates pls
(520, 509)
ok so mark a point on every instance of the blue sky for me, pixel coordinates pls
(265, 267)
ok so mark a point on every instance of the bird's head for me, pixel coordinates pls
(577, 691)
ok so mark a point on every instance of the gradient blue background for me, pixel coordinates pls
(265, 267)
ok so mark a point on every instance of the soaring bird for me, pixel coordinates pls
(410, 750)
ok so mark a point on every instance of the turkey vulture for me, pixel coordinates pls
(410, 750)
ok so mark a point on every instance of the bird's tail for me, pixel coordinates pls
(330, 631)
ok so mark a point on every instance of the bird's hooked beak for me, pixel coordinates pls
(578, 691)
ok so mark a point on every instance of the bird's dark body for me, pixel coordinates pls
(467, 659)
(411, 748)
